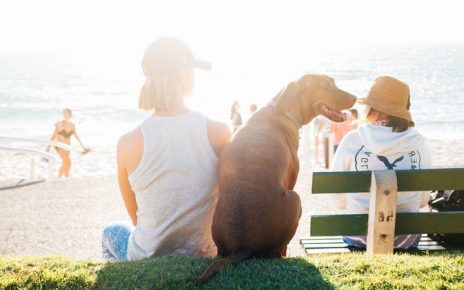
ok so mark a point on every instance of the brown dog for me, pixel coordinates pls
(257, 212)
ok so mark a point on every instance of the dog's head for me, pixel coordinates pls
(314, 95)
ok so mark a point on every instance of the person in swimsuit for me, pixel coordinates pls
(63, 131)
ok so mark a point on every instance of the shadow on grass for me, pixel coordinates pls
(181, 273)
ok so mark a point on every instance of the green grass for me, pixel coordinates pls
(403, 271)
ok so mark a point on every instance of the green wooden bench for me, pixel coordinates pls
(382, 222)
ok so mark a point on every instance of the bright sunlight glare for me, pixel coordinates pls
(242, 39)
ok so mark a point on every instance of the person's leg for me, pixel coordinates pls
(355, 241)
(67, 161)
(316, 147)
(62, 155)
(406, 241)
(115, 240)
(326, 152)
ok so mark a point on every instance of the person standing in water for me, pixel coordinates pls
(253, 108)
(235, 116)
(64, 129)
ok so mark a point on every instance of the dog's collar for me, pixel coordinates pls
(293, 119)
(289, 115)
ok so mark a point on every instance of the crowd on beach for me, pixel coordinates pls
(323, 128)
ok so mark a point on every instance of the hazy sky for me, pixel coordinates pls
(240, 26)
(243, 39)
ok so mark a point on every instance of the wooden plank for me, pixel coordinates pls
(451, 222)
(339, 225)
(324, 237)
(430, 179)
(431, 248)
(342, 181)
(406, 223)
(312, 239)
(408, 180)
(427, 243)
(325, 241)
(322, 246)
(327, 251)
(382, 213)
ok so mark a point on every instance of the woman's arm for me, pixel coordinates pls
(218, 135)
(341, 162)
(54, 135)
(79, 139)
(128, 195)
(426, 164)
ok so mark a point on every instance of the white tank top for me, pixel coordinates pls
(175, 189)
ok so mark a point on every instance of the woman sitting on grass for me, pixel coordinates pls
(167, 166)
(386, 142)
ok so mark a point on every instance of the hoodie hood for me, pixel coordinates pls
(383, 141)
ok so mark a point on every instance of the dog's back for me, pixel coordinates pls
(258, 212)
(248, 221)
(251, 184)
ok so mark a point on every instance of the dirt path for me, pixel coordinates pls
(66, 217)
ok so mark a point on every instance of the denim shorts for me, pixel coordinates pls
(115, 240)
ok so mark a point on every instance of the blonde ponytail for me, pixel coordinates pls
(166, 92)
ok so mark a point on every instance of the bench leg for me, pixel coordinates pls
(382, 212)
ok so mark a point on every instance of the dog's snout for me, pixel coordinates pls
(353, 99)
(348, 99)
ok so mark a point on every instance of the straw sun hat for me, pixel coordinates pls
(390, 96)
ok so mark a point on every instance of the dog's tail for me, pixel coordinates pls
(214, 267)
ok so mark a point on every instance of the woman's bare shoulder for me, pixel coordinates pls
(218, 127)
(219, 135)
(131, 140)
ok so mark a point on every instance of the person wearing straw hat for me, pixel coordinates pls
(167, 165)
(386, 141)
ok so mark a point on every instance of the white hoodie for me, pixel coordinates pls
(375, 147)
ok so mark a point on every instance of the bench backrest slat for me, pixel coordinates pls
(408, 180)
(406, 223)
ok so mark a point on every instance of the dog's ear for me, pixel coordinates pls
(314, 81)
(287, 91)
(291, 90)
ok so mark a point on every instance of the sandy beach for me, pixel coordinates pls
(66, 216)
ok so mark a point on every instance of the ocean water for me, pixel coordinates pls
(103, 92)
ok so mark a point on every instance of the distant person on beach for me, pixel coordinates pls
(253, 108)
(64, 129)
(167, 165)
(320, 127)
(339, 130)
(355, 118)
(235, 115)
(355, 115)
(386, 141)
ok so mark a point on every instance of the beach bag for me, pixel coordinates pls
(447, 200)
